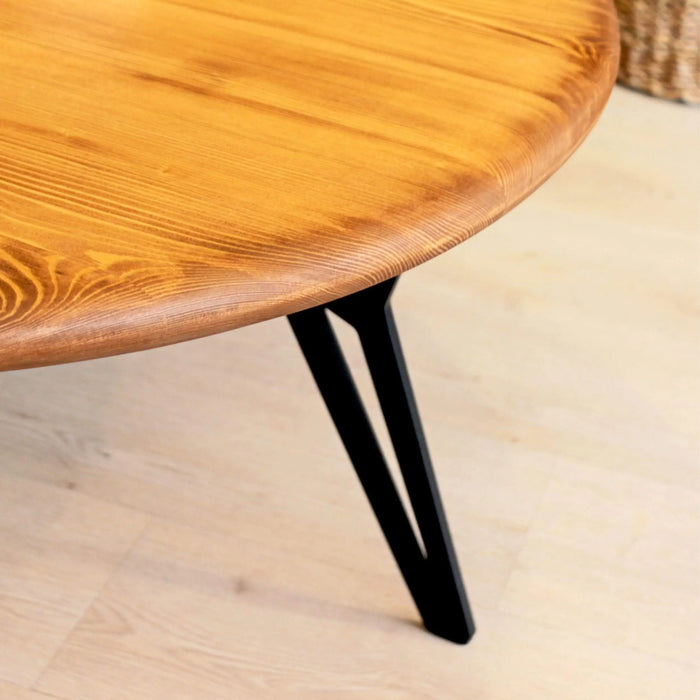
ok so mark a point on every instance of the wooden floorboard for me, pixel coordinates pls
(183, 523)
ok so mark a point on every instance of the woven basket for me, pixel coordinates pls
(661, 47)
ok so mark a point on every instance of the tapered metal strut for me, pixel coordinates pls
(433, 579)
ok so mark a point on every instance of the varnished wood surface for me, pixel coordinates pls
(170, 169)
(183, 524)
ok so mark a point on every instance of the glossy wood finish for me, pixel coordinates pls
(170, 169)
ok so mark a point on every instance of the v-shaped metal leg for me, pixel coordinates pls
(433, 578)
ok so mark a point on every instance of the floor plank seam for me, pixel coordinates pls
(90, 603)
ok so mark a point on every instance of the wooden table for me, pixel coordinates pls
(175, 168)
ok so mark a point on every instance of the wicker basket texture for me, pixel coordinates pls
(661, 47)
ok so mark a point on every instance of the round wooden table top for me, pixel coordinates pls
(175, 168)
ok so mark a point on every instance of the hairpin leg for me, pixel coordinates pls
(433, 578)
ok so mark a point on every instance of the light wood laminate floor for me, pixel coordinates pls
(183, 523)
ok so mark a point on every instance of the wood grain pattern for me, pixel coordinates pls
(174, 168)
(9, 691)
(66, 551)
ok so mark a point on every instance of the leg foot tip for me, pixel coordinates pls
(460, 633)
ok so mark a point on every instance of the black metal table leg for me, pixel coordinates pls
(433, 579)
